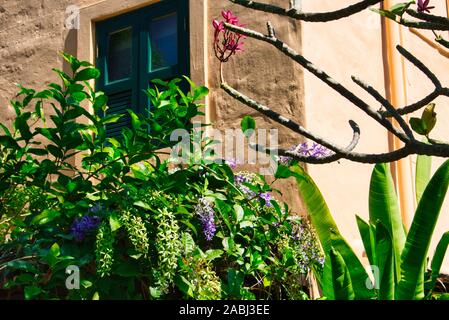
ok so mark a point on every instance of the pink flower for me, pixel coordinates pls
(423, 5)
(218, 26)
(229, 17)
(234, 45)
(226, 42)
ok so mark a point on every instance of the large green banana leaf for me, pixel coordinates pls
(329, 235)
(438, 258)
(366, 232)
(422, 175)
(384, 207)
(385, 263)
(341, 280)
(414, 256)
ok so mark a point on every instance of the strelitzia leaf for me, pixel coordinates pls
(329, 236)
(385, 263)
(438, 258)
(341, 280)
(418, 240)
(422, 177)
(384, 207)
(367, 238)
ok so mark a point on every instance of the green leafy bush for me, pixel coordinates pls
(136, 225)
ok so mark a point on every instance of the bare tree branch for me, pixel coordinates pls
(273, 115)
(305, 16)
(415, 147)
(417, 63)
(411, 145)
(384, 102)
(424, 25)
(439, 90)
(323, 76)
(428, 17)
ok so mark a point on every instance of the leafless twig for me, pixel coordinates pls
(404, 133)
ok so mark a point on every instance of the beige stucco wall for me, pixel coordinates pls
(31, 35)
(262, 73)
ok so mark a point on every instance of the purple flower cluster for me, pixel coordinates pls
(206, 214)
(231, 163)
(307, 248)
(97, 207)
(241, 178)
(267, 197)
(424, 6)
(315, 150)
(81, 226)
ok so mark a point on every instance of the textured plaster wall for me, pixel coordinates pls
(264, 74)
(31, 35)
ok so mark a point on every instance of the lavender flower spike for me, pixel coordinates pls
(267, 197)
(81, 226)
(206, 214)
(315, 150)
(231, 163)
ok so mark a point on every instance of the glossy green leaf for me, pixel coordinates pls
(114, 222)
(213, 254)
(38, 152)
(423, 173)
(5, 129)
(22, 265)
(418, 126)
(341, 280)
(438, 258)
(248, 125)
(53, 254)
(45, 217)
(239, 212)
(100, 101)
(384, 207)
(400, 8)
(385, 263)
(385, 13)
(367, 239)
(22, 125)
(420, 234)
(87, 74)
(200, 92)
(283, 172)
(31, 292)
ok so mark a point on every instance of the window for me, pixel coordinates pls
(134, 48)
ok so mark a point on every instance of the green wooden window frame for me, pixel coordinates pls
(128, 93)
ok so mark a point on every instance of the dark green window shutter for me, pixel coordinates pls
(118, 104)
(137, 47)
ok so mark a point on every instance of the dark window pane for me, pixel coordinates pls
(164, 41)
(120, 55)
